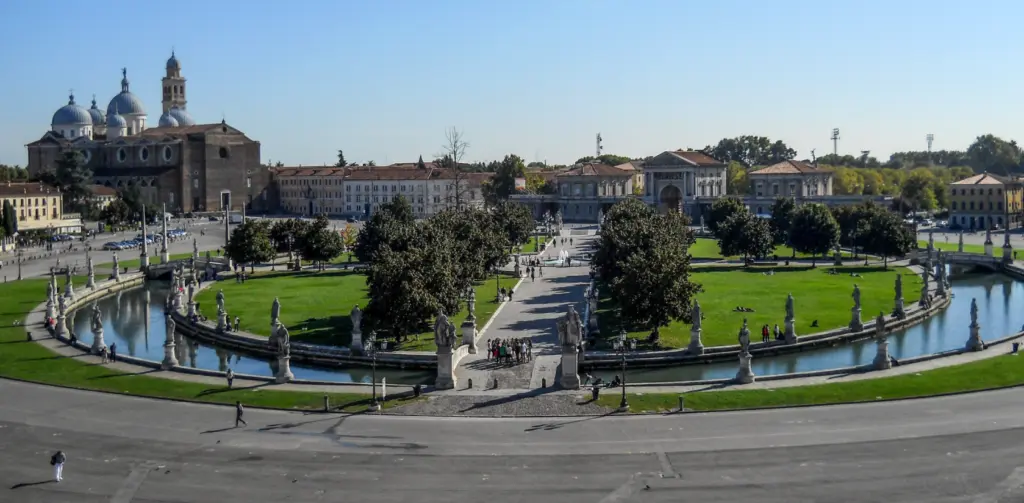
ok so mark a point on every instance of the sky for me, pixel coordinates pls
(383, 80)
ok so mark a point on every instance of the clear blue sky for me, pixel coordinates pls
(539, 78)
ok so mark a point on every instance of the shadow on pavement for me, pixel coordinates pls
(29, 484)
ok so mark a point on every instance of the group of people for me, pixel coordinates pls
(766, 334)
(510, 351)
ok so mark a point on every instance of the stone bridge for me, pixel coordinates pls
(963, 261)
(157, 270)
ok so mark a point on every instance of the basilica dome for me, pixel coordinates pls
(71, 114)
(98, 118)
(168, 120)
(125, 103)
(182, 116)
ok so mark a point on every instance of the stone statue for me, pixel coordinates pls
(195, 248)
(880, 325)
(275, 312)
(62, 305)
(570, 328)
(856, 297)
(899, 286)
(97, 318)
(600, 216)
(169, 321)
(116, 262)
(471, 304)
(441, 329)
(67, 275)
(284, 340)
(357, 318)
(220, 300)
(49, 291)
(974, 312)
(451, 340)
(789, 308)
(695, 313)
(744, 337)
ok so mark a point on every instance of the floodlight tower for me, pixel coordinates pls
(599, 146)
(929, 138)
(835, 142)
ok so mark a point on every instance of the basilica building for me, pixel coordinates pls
(180, 163)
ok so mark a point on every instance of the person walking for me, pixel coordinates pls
(230, 375)
(113, 352)
(57, 460)
(238, 414)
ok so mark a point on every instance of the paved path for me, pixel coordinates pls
(532, 313)
(125, 449)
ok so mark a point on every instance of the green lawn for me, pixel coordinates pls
(1000, 371)
(707, 248)
(968, 248)
(315, 306)
(816, 295)
(130, 259)
(531, 245)
(29, 361)
(340, 259)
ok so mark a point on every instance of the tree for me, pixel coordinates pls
(918, 189)
(116, 213)
(503, 184)
(515, 220)
(250, 243)
(536, 184)
(319, 243)
(73, 178)
(392, 225)
(782, 219)
(609, 159)
(452, 155)
(750, 150)
(341, 160)
(721, 210)
(737, 183)
(884, 234)
(420, 164)
(642, 262)
(283, 230)
(814, 230)
(745, 234)
(348, 236)
(995, 155)
(371, 163)
(479, 245)
(10, 219)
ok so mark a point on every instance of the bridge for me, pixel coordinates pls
(963, 261)
(158, 270)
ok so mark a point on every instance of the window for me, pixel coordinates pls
(954, 205)
(121, 155)
(972, 202)
(167, 153)
(348, 188)
(990, 191)
(999, 206)
(999, 192)
(144, 154)
(223, 153)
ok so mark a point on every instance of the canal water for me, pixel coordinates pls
(134, 319)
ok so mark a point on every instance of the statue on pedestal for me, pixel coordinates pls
(696, 319)
(471, 304)
(443, 338)
(790, 321)
(882, 360)
(744, 337)
(960, 243)
(90, 280)
(275, 312)
(116, 274)
(69, 290)
(974, 342)
(97, 328)
(856, 297)
(170, 359)
(220, 300)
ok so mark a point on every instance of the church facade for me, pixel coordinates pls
(189, 167)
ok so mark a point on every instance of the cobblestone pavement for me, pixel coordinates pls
(527, 403)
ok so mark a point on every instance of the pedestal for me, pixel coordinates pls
(170, 360)
(696, 347)
(165, 257)
(569, 368)
(790, 334)
(882, 360)
(469, 335)
(177, 304)
(898, 310)
(1007, 254)
(838, 260)
(69, 291)
(940, 286)
(592, 326)
(222, 321)
(284, 370)
(356, 346)
(974, 343)
(62, 327)
(191, 309)
(445, 371)
(116, 275)
(97, 340)
(90, 280)
(745, 375)
(855, 324)
(49, 309)
(988, 250)
(143, 261)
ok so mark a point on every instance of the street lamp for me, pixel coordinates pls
(21, 253)
(290, 240)
(371, 349)
(621, 347)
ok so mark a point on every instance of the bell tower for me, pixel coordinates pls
(174, 85)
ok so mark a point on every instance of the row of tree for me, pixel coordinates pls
(13, 173)
(418, 267)
(257, 241)
(812, 229)
(642, 262)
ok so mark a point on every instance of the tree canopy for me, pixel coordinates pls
(250, 243)
(721, 210)
(744, 234)
(814, 231)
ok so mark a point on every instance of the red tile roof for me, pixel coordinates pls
(11, 189)
(698, 158)
(595, 169)
(790, 167)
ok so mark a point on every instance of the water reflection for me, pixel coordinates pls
(136, 324)
(947, 330)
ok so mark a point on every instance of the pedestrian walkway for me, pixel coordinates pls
(532, 313)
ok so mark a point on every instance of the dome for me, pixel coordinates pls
(71, 114)
(168, 120)
(182, 116)
(98, 118)
(125, 101)
(172, 63)
(116, 121)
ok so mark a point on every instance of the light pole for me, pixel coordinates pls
(371, 348)
(621, 347)
(290, 258)
(21, 253)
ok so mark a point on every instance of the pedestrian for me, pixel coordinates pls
(113, 351)
(238, 414)
(510, 294)
(238, 323)
(104, 354)
(57, 460)
(230, 375)
(488, 346)
(534, 278)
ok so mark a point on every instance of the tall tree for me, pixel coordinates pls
(10, 218)
(609, 159)
(420, 164)
(341, 160)
(392, 225)
(782, 219)
(116, 213)
(503, 184)
(642, 261)
(737, 181)
(479, 244)
(995, 155)
(73, 178)
(284, 230)
(320, 243)
(515, 220)
(452, 156)
(814, 230)
(722, 209)
(745, 234)
(884, 234)
(250, 243)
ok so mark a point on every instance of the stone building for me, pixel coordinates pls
(684, 180)
(986, 201)
(796, 179)
(187, 166)
(38, 207)
(582, 191)
(101, 195)
(359, 191)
